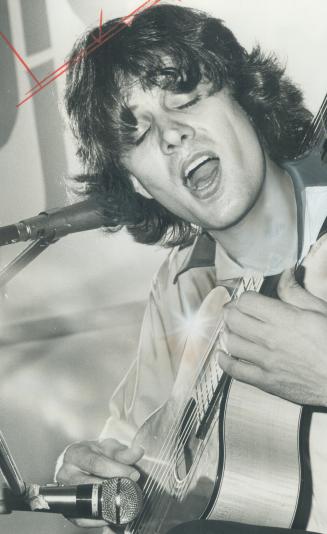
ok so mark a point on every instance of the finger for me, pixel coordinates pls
(291, 292)
(90, 523)
(122, 453)
(130, 455)
(239, 370)
(244, 349)
(260, 307)
(245, 326)
(115, 449)
(91, 460)
(72, 475)
(108, 446)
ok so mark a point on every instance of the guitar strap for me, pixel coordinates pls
(323, 229)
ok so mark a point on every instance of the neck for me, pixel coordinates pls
(265, 240)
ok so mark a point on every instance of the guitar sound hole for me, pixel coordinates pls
(187, 442)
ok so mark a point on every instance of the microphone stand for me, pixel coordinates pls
(25, 257)
(46, 228)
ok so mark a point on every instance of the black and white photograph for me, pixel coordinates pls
(163, 266)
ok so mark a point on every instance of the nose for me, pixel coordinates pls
(174, 134)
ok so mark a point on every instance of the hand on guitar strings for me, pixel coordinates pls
(89, 462)
(279, 346)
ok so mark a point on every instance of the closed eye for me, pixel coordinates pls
(190, 103)
(143, 136)
(183, 106)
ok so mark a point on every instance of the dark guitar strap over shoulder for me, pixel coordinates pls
(323, 229)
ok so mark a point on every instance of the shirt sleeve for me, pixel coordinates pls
(148, 383)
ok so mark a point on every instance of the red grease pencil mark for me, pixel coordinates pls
(19, 57)
(91, 47)
(99, 41)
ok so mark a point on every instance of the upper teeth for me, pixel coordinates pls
(195, 164)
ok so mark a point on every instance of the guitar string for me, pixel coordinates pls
(195, 415)
(315, 125)
(186, 431)
(170, 472)
(185, 482)
(318, 119)
(158, 483)
(192, 422)
(195, 462)
(154, 473)
(199, 369)
(199, 451)
(162, 504)
(318, 126)
(155, 479)
(318, 122)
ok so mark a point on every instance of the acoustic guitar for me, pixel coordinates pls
(219, 448)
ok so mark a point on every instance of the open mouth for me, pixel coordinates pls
(202, 176)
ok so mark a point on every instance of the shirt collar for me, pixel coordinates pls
(201, 254)
(205, 252)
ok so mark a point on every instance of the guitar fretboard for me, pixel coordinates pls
(211, 377)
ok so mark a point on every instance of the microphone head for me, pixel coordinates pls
(121, 500)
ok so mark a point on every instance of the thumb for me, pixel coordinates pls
(290, 291)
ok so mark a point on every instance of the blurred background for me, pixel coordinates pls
(70, 321)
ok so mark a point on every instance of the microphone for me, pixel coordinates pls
(117, 500)
(55, 223)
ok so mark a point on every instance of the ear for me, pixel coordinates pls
(139, 187)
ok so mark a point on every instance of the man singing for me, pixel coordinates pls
(184, 134)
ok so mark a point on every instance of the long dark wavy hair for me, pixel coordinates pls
(198, 46)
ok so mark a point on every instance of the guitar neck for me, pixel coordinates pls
(211, 380)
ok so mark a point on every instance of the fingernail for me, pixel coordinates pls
(134, 475)
(138, 450)
(122, 447)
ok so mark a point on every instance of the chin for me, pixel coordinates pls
(231, 217)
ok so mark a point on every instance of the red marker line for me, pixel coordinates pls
(19, 57)
(98, 39)
(88, 50)
(85, 52)
(67, 65)
(105, 37)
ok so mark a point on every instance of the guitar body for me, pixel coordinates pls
(249, 467)
(260, 479)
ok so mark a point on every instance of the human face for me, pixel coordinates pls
(196, 153)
